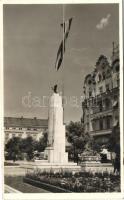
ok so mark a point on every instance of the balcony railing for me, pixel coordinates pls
(102, 113)
(101, 132)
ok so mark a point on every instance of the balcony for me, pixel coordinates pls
(101, 114)
(101, 132)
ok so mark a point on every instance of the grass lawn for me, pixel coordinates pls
(17, 183)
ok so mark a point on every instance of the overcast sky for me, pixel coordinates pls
(32, 35)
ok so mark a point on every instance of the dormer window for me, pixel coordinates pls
(89, 82)
(103, 66)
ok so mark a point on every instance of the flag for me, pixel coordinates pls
(66, 28)
(59, 56)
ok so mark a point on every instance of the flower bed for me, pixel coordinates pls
(78, 182)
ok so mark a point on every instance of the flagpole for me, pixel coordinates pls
(63, 8)
(60, 54)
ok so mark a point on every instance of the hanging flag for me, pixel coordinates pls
(66, 28)
(59, 56)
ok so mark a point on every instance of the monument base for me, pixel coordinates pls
(56, 167)
(96, 166)
(56, 156)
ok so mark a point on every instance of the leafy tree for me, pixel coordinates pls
(28, 145)
(13, 148)
(114, 141)
(42, 144)
(16, 147)
(76, 136)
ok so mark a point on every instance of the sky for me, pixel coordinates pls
(32, 34)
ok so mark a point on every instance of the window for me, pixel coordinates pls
(20, 128)
(90, 94)
(89, 82)
(107, 87)
(103, 65)
(108, 71)
(101, 124)
(28, 129)
(115, 97)
(117, 82)
(100, 77)
(28, 134)
(103, 75)
(117, 68)
(108, 122)
(35, 129)
(100, 106)
(101, 89)
(107, 103)
(87, 126)
(20, 135)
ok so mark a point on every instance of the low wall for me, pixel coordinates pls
(54, 166)
(45, 186)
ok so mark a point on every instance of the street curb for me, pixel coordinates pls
(10, 189)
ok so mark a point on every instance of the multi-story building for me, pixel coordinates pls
(24, 127)
(101, 98)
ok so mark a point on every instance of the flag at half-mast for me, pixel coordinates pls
(66, 28)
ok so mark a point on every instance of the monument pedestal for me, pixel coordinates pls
(57, 156)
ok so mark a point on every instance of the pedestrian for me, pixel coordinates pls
(117, 165)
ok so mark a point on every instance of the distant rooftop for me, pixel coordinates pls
(25, 122)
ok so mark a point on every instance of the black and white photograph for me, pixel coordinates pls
(62, 91)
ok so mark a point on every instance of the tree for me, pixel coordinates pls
(42, 144)
(28, 145)
(13, 148)
(114, 141)
(76, 136)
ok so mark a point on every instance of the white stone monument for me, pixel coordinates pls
(57, 156)
(56, 131)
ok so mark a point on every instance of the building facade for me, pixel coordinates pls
(24, 127)
(101, 98)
